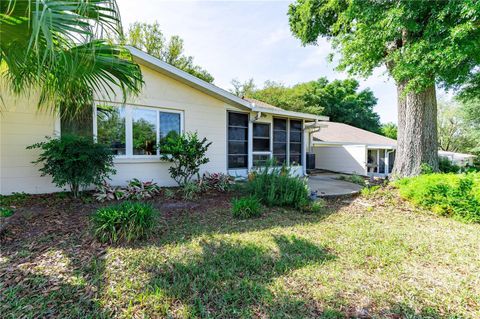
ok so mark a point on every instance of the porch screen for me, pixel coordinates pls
(280, 140)
(237, 140)
(295, 142)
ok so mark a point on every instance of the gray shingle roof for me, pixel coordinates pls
(343, 133)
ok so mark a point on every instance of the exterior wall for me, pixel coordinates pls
(21, 125)
(341, 158)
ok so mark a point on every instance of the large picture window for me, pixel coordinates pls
(135, 131)
(280, 141)
(296, 142)
(261, 137)
(237, 140)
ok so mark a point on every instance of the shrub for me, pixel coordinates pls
(314, 206)
(456, 195)
(354, 178)
(218, 181)
(168, 193)
(275, 186)
(75, 161)
(446, 166)
(135, 189)
(186, 152)
(127, 221)
(246, 207)
(191, 190)
(370, 190)
(6, 212)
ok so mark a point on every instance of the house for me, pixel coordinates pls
(347, 149)
(243, 132)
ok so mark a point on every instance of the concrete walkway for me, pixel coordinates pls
(327, 184)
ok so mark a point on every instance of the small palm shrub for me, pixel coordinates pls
(246, 207)
(191, 190)
(135, 190)
(76, 161)
(276, 186)
(218, 181)
(127, 221)
(455, 195)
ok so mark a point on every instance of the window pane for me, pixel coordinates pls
(295, 125)
(261, 130)
(260, 159)
(295, 136)
(237, 161)
(279, 124)
(295, 159)
(169, 122)
(144, 124)
(111, 128)
(279, 136)
(237, 119)
(261, 145)
(237, 134)
(280, 159)
(279, 148)
(295, 148)
(237, 148)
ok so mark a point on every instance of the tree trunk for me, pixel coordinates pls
(417, 131)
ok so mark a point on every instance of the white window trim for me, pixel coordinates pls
(129, 156)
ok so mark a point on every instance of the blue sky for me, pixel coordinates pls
(249, 39)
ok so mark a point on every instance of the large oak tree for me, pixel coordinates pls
(421, 43)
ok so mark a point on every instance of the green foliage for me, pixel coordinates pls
(426, 169)
(6, 212)
(14, 199)
(149, 38)
(389, 130)
(275, 186)
(354, 178)
(455, 195)
(186, 152)
(313, 207)
(446, 166)
(168, 193)
(369, 191)
(127, 221)
(246, 207)
(421, 42)
(135, 190)
(191, 190)
(217, 181)
(341, 100)
(55, 47)
(75, 161)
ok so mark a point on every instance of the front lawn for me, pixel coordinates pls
(352, 260)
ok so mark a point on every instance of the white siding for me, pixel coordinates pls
(341, 158)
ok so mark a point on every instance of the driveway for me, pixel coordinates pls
(327, 184)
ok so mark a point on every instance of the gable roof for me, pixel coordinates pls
(212, 90)
(259, 103)
(341, 133)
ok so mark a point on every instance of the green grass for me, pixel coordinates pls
(385, 262)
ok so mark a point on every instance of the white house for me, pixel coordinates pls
(242, 132)
(347, 149)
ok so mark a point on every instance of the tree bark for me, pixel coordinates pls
(417, 131)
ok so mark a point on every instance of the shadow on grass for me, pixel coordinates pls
(230, 279)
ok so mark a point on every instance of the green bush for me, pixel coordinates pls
(354, 178)
(446, 166)
(75, 161)
(6, 212)
(314, 207)
(370, 190)
(191, 190)
(127, 221)
(186, 152)
(455, 195)
(246, 207)
(275, 186)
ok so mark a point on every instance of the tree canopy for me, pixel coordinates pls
(341, 100)
(389, 130)
(150, 38)
(56, 47)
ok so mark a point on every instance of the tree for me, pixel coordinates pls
(451, 133)
(149, 38)
(242, 89)
(389, 130)
(421, 43)
(470, 112)
(340, 100)
(56, 47)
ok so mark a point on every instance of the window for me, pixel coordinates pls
(135, 131)
(280, 141)
(261, 137)
(237, 140)
(260, 159)
(296, 142)
(111, 128)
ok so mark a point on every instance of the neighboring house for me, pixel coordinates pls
(459, 159)
(347, 149)
(243, 132)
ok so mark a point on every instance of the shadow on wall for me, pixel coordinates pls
(346, 159)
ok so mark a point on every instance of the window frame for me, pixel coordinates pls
(247, 141)
(129, 127)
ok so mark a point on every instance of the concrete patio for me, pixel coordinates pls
(328, 184)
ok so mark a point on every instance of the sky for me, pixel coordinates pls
(250, 39)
